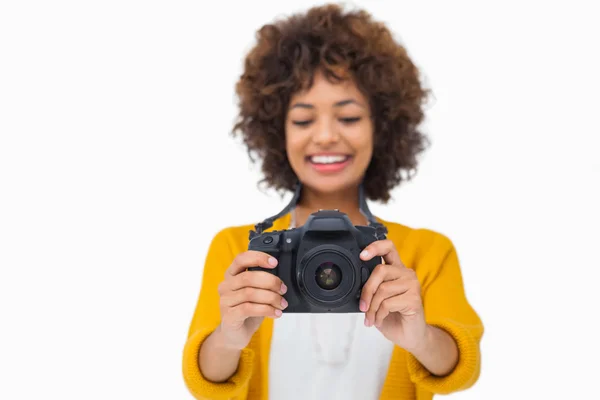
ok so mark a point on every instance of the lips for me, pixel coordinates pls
(329, 163)
(328, 159)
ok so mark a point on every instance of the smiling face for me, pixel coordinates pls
(329, 136)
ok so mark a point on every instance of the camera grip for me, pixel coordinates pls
(269, 270)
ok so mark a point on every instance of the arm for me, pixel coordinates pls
(218, 362)
(439, 353)
(210, 382)
(450, 360)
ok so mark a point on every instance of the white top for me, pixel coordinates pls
(327, 357)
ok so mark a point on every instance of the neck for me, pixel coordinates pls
(345, 201)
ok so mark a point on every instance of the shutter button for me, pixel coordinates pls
(268, 239)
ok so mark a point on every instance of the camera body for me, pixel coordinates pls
(319, 262)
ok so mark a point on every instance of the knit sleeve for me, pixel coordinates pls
(447, 308)
(204, 321)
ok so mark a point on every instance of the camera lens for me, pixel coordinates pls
(328, 275)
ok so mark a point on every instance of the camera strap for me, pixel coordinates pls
(267, 223)
(380, 229)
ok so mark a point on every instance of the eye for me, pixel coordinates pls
(349, 121)
(302, 123)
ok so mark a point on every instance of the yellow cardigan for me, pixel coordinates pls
(434, 259)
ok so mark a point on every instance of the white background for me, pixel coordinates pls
(116, 168)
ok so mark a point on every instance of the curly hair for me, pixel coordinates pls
(284, 60)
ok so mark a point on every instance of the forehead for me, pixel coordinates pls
(328, 92)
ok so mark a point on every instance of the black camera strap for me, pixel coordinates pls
(267, 223)
(380, 229)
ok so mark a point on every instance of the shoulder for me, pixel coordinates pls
(418, 245)
(423, 237)
(234, 237)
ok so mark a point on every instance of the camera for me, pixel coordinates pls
(319, 262)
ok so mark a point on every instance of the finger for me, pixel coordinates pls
(380, 274)
(253, 295)
(382, 248)
(402, 304)
(249, 259)
(259, 280)
(243, 311)
(385, 291)
(384, 311)
(406, 281)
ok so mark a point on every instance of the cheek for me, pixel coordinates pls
(293, 147)
(364, 159)
(363, 145)
(291, 144)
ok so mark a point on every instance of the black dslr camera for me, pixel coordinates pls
(319, 261)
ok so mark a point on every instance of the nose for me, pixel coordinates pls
(326, 133)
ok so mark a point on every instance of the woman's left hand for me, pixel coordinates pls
(391, 298)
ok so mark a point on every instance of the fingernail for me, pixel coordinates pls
(283, 288)
(364, 253)
(366, 322)
(284, 303)
(278, 313)
(272, 261)
(362, 306)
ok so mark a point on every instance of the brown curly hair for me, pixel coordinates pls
(284, 60)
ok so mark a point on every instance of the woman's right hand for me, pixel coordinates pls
(246, 297)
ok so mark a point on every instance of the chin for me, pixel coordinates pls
(327, 186)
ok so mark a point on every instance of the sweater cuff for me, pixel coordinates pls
(464, 374)
(201, 388)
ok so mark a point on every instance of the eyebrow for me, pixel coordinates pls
(338, 104)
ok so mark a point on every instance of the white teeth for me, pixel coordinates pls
(327, 159)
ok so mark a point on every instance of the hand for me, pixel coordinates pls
(246, 297)
(391, 298)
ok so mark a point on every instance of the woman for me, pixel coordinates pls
(329, 99)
